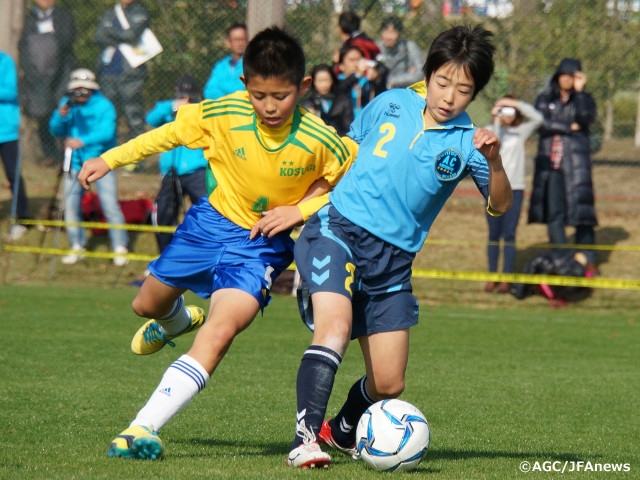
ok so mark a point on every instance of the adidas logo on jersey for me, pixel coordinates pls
(240, 153)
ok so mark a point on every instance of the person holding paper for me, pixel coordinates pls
(121, 82)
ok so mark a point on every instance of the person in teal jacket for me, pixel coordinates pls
(86, 120)
(9, 141)
(225, 74)
(183, 169)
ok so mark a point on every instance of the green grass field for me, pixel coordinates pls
(499, 387)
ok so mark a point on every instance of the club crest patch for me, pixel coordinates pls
(449, 164)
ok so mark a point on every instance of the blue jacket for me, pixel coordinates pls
(184, 160)
(224, 79)
(9, 107)
(93, 122)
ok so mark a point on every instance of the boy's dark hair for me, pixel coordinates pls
(466, 47)
(349, 22)
(273, 53)
(234, 26)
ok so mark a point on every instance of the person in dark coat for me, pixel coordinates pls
(46, 59)
(562, 183)
(327, 101)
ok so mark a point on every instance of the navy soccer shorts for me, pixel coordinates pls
(334, 255)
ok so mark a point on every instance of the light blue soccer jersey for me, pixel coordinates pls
(404, 174)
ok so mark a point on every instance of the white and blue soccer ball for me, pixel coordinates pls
(392, 435)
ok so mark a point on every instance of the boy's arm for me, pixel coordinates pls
(500, 194)
(158, 140)
(285, 217)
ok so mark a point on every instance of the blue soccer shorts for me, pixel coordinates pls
(334, 255)
(209, 252)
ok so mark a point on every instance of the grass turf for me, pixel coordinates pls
(498, 386)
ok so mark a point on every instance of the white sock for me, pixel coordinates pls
(177, 320)
(182, 381)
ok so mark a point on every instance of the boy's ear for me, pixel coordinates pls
(243, 80)
(304, 86)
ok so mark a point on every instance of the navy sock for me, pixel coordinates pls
(314, 384)
(343, 426)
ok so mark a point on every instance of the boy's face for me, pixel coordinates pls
(274, 99)
(449, 91)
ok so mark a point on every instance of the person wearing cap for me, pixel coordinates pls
(562, 182)
(86, 121)
(402, 57)
(183, 169)
(225, 74)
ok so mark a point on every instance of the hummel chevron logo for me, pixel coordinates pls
(240, 153)
(344, 426)
(319, 263)
(319, 279)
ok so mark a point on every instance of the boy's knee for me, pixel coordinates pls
(384, 390)
(138, 307)
(145, 309)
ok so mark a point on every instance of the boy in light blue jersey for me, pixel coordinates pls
(355, 254)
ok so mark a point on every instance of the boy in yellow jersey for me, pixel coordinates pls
(267, 155)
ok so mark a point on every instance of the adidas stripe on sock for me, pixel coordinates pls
(182, 381)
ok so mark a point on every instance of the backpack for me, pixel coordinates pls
(563, 263)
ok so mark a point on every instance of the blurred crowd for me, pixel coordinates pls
(76, 109)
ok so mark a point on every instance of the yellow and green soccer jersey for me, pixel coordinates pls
(256, 168)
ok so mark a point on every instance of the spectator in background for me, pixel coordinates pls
(359, 76)
(225, 74)
(514, 121)
(9, 140)
(562, 181)
(327, 101)
(46, 59)
(183, 169)
(350, 34)
(403, 58)
(86, 120)
(121, 83)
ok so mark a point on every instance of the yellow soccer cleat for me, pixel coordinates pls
(137, 442)
(150, 338)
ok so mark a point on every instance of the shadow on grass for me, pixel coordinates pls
(282, 450)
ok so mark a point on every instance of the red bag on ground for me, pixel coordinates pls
(136, 212)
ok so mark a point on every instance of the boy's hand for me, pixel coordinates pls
(277, 220)
(92, 170)
(487, 144)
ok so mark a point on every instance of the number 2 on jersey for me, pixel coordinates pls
(388, 131)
